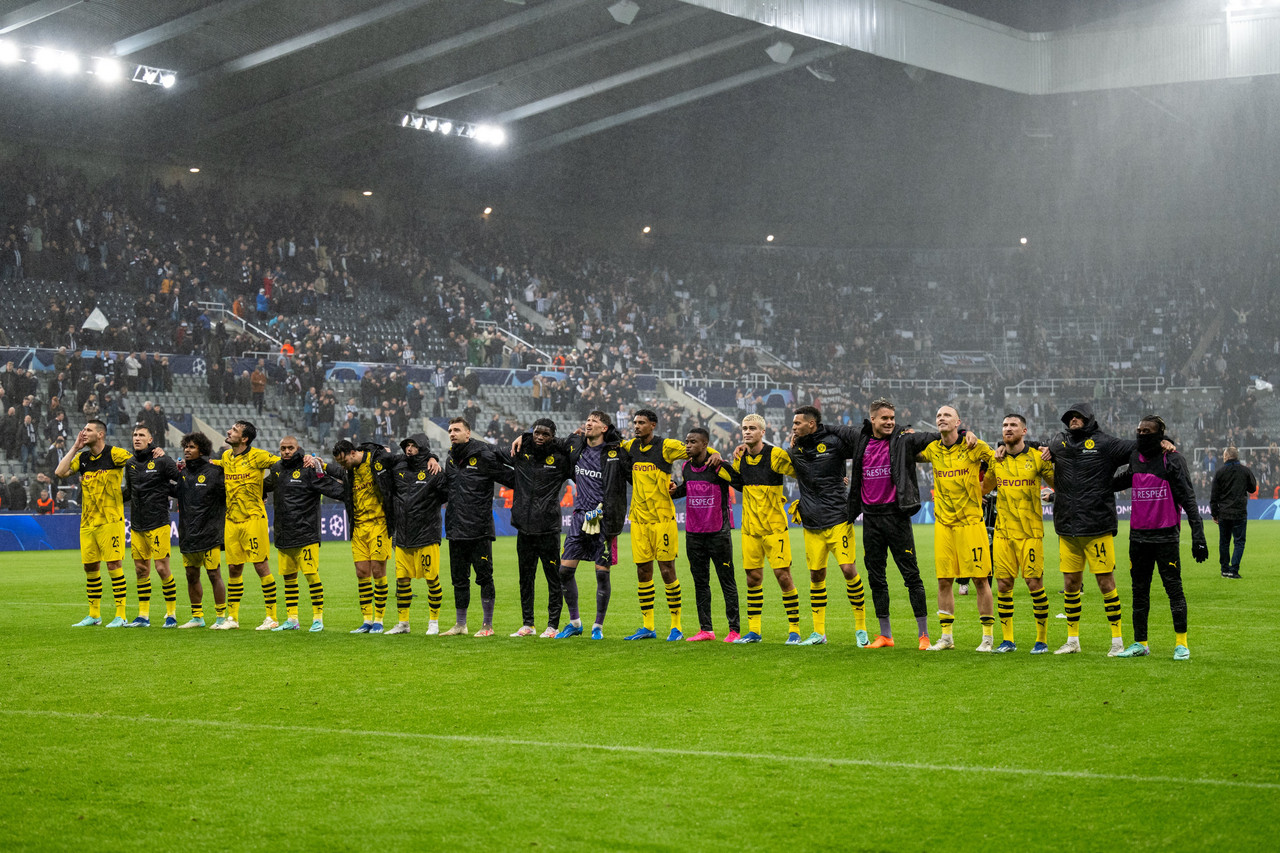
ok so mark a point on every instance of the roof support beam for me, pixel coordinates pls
(179, 26)
(29, 14)
(678, 100)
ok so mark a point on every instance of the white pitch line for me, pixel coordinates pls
(651, 750)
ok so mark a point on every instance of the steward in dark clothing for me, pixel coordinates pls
(298, 492)
(471, 468)
(541, 470)
(1229, 508)
(1161, 491)
(1084, 461)
(148, 484)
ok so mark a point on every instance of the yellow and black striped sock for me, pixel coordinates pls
(220, 610)
(988, 625)
(645, 592)
(673, 603)
(791, 604)
(1004, 606)
(197, 611)
(1111, 606)
(169, 589)
(404, 598)
(269, 596)
(1040, 608)
(435, 596)
(93, 590)
(379, 598)
(144, 598)
(818, 604)
(315, 590)
(945, 621)
(291, 596)
(755, 607)
(365, 588)
(1071, 607)
(235, 592)
(119, 590)
(858, 601)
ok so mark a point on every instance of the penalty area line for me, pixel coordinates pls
(649, 750)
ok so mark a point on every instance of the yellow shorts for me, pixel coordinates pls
(210, 561)
(370, 542)
(305, 559)
(149, 544)
(1016, 558)
(961, 552)
(837, 540)
(102, 543)
(247, 543)
(659, 541)
(421, 562)
(775, 548)
(1099, 551)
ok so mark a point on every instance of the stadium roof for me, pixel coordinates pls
(680, 113)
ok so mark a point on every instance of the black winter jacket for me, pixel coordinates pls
(202, 506)
(419, 494)
(1084, 462)
(298, 493)
(820, 459)
(147, 486)
(540, 474)
(472, 469)
(1229, 496)
(903, 449)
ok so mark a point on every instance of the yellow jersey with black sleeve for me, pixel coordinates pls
(101, 476)
(764, 503)
(1017, 479)
(243, 473)
(957, 480)
(651, 478)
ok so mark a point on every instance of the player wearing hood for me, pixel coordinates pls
(298, 492)
(147, 482)
(418, 495)
(202, 510)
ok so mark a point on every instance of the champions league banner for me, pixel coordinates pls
(62, 532)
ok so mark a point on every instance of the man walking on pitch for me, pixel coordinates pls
(708, 520)
(101, 468)
(418, 496)
(960, 545)
(472, 467)
(202, 510)
(148, 482)
(761, 467)
(1229, 508)
(883, 489)
(541, 469)
(1018, 476)
(298, 491)
(1160, 488)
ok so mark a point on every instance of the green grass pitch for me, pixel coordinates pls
(199, 740)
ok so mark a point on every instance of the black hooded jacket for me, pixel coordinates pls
(202, 506)
(819, 459)
(419, 494)
(540, 474)
(298, 493)
(472, 469)
(903, 449)
(1084, 462)
(147, 486)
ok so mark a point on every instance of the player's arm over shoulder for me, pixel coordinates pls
(120, 456)
(780, 462)
(673, 449)
(261, 458)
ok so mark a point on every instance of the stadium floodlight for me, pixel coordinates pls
(431, 125)
(167, 79)
(485, 134)
(624, 11)
(769, 239)
(488, 210)
(445, 127)
(107, 70)
(9, 53)
(155, 76)
(46, 58)
(1022, 240)
(780, 52)
(645, 230)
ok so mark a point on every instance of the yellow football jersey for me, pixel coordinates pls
(764, 503)
(651, 478)
(957, 480)
(243, 473)
(368, 505)
(1018, 480)
(101, 499)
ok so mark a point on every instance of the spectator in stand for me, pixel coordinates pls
(324, 416)
(9, 433)
(15, 498)
(44, 504)
(27, 441)
(1229, 507)
(52, 456)
(258, 386)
